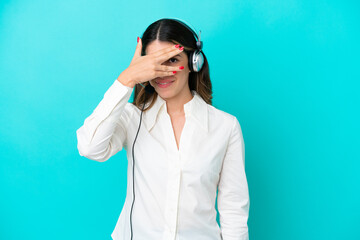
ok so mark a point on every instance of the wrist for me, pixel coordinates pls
(127, 82)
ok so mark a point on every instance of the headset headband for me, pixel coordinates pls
(199, 43)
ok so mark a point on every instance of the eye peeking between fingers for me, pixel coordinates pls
(173, 61)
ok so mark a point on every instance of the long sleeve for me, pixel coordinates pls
(233, 194)
(103, 133)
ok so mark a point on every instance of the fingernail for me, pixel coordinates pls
(181, 67)
(181, 48)
(174, 72)
(137, 39)
(177, 45)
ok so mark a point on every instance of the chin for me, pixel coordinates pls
(164, 95)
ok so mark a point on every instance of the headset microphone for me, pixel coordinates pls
(149, 89)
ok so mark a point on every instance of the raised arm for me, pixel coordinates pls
(103, 133)
(233, 195)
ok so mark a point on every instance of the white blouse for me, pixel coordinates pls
(175, 190)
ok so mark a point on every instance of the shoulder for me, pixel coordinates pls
(226, 123)
(130, 106)
(220, 117)
(130, 109)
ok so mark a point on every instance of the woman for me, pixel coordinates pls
(186, 151)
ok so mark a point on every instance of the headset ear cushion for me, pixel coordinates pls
(190, 61)
(199, 57)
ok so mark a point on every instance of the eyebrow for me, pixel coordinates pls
(177, 55)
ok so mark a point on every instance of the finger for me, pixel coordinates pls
(166, 73)
(165, 68)
(164, 50)
(167, 55)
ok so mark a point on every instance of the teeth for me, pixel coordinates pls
(164, 83)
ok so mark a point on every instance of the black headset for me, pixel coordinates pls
(196, 61)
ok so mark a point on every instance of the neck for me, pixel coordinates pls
(175, 106)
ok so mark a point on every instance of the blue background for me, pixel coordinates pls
(288, 70)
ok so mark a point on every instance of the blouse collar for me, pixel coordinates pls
(196, 108)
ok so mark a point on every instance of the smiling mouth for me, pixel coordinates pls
(164, 83)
